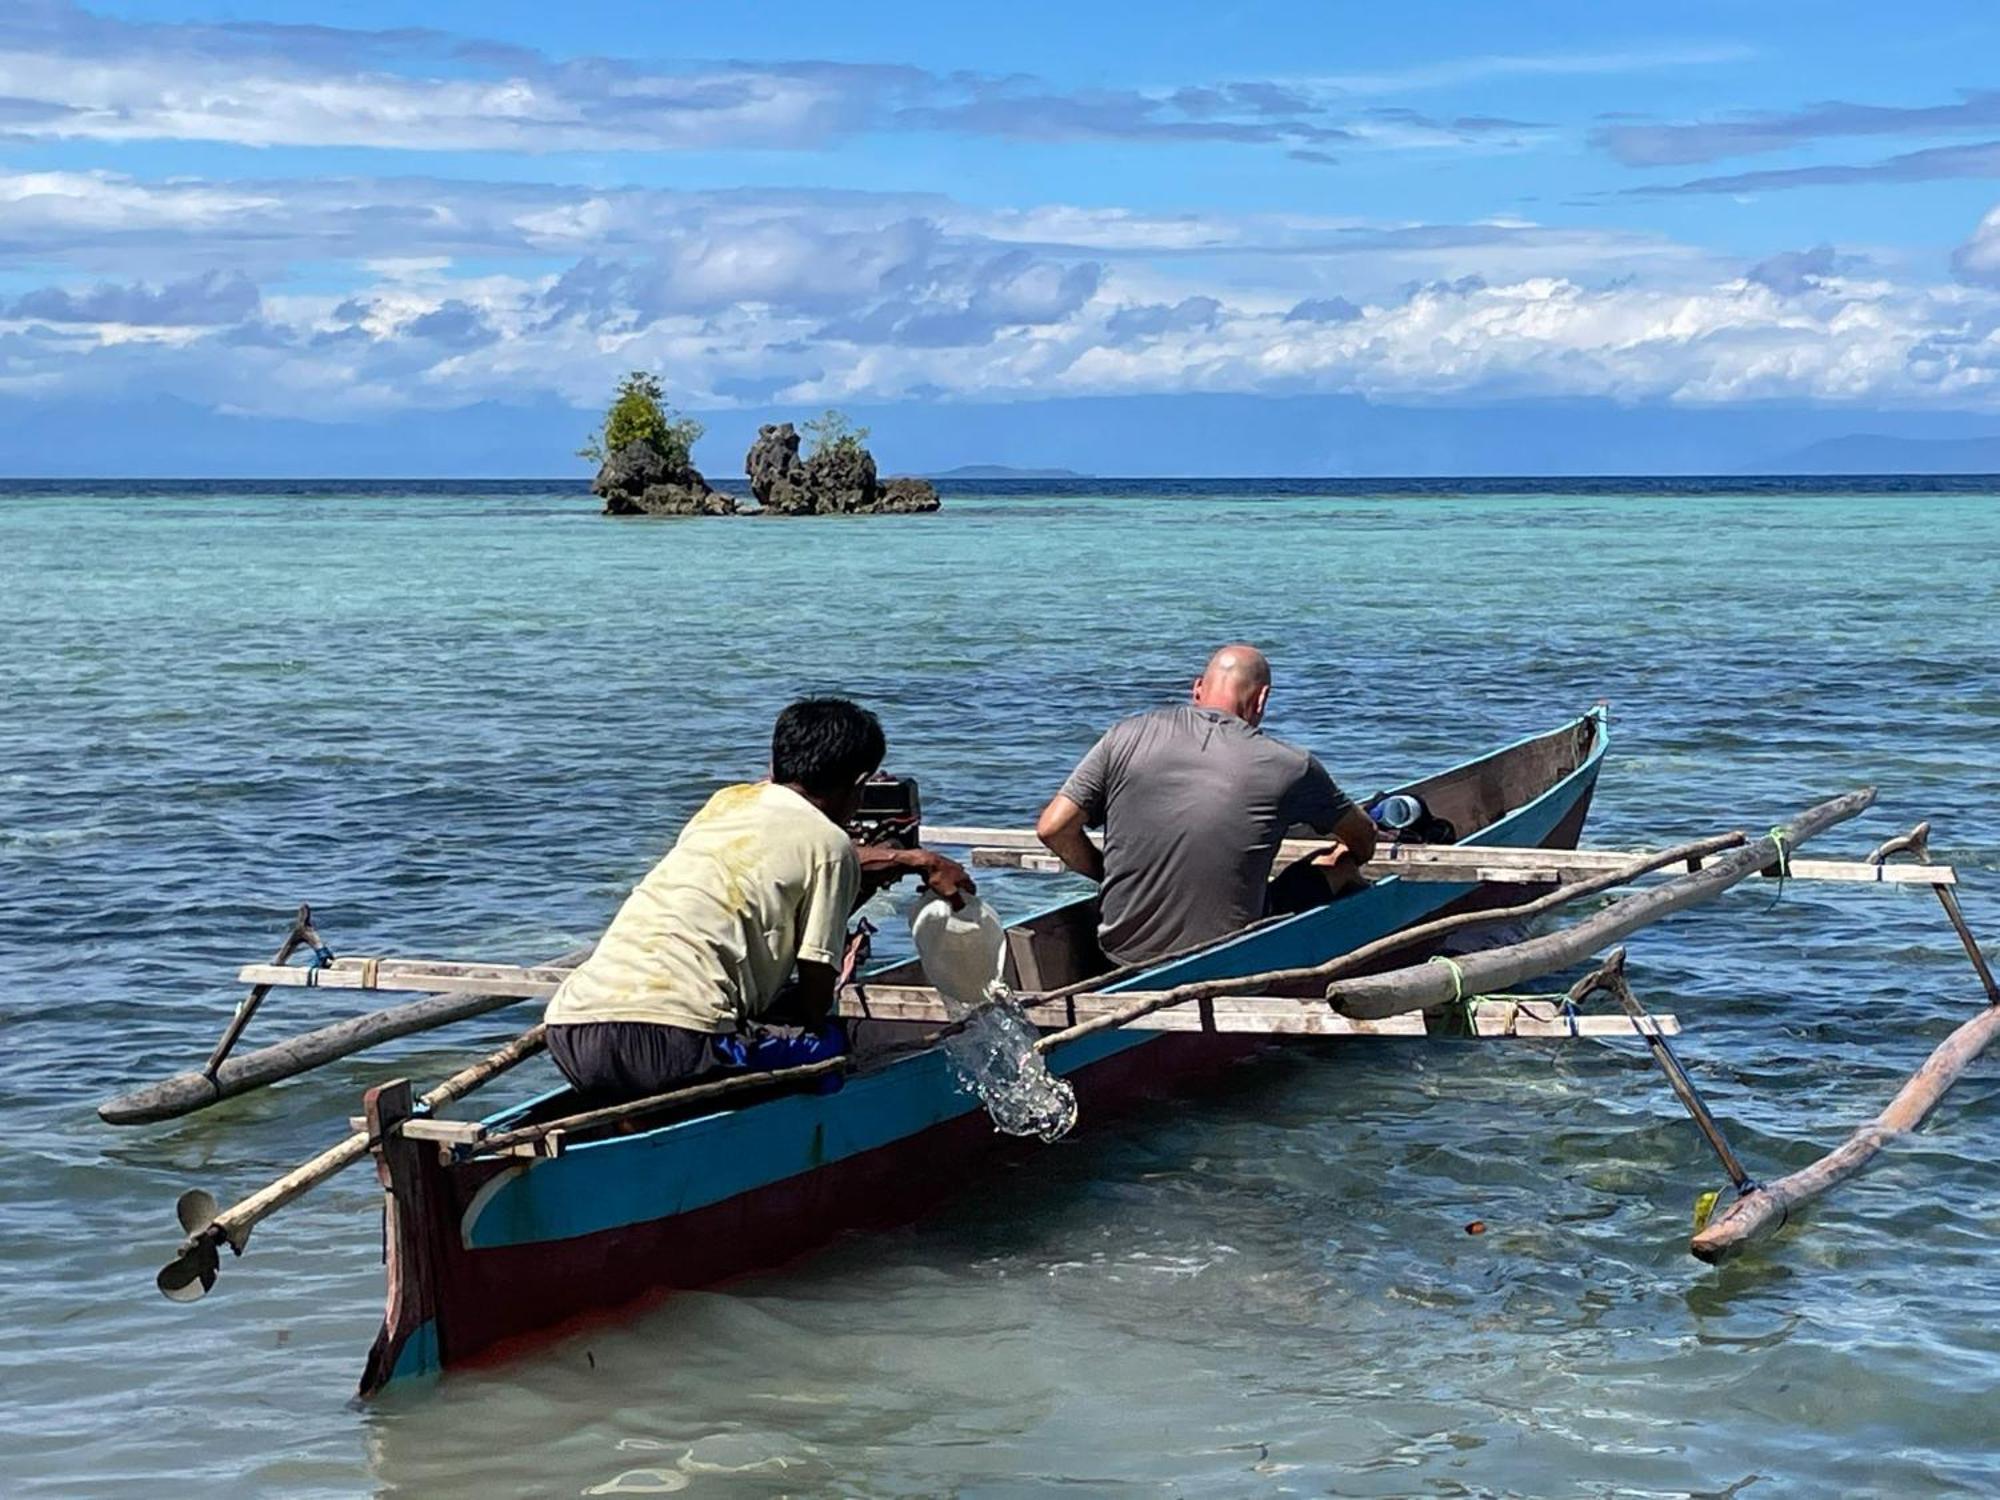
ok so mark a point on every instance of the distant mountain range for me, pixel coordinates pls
(1005, 471)
(1869, 453)
(1058, 439)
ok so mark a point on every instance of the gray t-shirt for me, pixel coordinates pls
(1194, 803)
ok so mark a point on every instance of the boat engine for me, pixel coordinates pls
(891, 812)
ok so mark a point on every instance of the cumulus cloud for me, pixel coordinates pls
(1978, 259)
(1793, 272)
(211, 298)
(1013, 324)
(715, 246)
(1189, 315)
(435, 293)
(1323, 310)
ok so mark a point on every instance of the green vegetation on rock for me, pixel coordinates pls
(835, 436)
(639, 413)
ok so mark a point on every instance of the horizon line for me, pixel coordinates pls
(1689, 477)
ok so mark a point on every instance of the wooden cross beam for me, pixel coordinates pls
(1255, 1014)
(1014, 848)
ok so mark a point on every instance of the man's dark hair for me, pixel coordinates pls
(825, 745)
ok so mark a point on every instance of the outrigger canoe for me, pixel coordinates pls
(488, 1254)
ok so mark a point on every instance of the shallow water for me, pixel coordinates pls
(462, 724)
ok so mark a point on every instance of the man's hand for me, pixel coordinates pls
(947, 878)
(1341, 868)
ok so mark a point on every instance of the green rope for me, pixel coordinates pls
(1777, 837)
(1467, 1004)
(1457, 978)
(1784, 863)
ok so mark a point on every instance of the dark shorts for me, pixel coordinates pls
(612, 1060)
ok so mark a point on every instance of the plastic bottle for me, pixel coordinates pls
(1399, 811)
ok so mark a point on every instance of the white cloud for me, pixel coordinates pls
(1455, 72)
(996, 329)
(1978, 259)
(807, 296)
(70, 74)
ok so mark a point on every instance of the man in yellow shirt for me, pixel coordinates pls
(759, 884)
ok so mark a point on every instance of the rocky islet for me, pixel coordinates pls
(840, 479)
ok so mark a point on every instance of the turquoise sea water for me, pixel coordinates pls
(462, 724)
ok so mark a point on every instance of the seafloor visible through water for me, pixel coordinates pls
(460, 723)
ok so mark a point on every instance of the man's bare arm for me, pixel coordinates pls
(1061, 829)
(885, 864)
(1357, 830)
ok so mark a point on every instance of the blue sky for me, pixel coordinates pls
(436, 234)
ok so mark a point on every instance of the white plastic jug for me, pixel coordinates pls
(962, 951)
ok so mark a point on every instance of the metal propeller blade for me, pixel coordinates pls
(189, 1275)
(196, 1209)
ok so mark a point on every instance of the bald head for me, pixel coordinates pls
(1237, 680)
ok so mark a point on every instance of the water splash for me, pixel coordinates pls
(994, 1055)
(996, 1062)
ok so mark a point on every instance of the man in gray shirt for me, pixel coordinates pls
(1194, 801)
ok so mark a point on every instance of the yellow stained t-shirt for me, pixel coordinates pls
(758, 879)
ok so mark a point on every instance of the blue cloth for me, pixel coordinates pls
(766, 1051)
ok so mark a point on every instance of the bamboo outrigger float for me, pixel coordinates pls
(510, 1228)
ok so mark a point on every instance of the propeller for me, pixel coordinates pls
(190, 1274)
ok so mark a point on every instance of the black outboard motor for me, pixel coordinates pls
(891, 811)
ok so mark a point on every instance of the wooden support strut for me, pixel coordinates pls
(1609, 977)
(1918, 842)
(185, 1093)
(302, 932)
(1242, 1015)
(1495, 969)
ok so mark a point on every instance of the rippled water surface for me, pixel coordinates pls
(462, 724)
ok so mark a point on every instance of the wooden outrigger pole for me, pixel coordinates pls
(1427, 985)
(1768, 1207)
